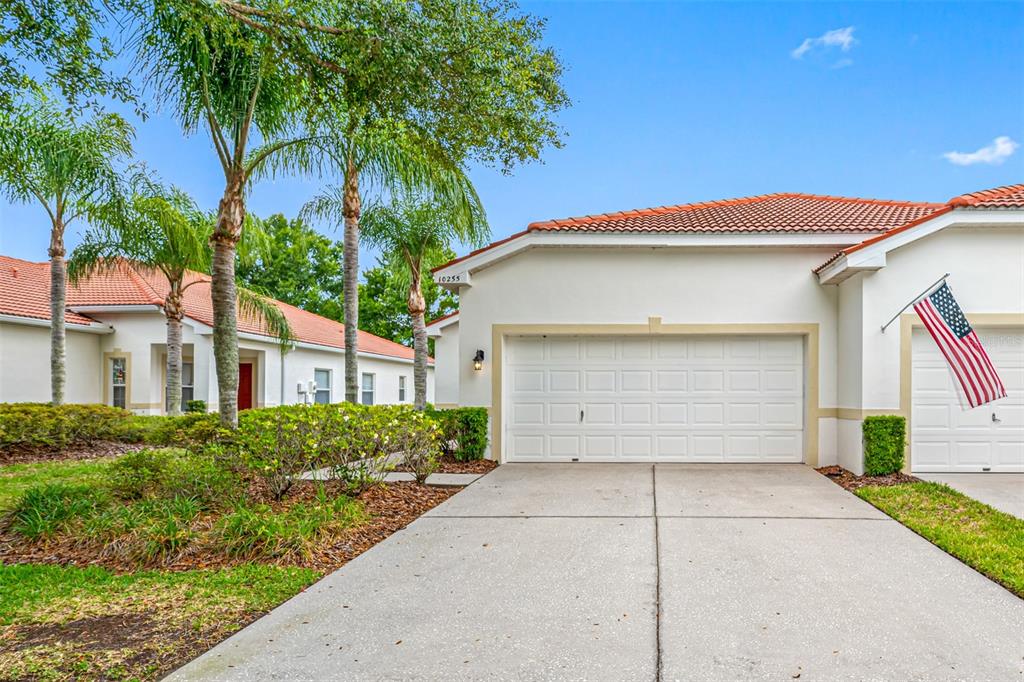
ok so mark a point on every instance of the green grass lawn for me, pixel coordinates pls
(61, 622)
(988, 540)
(15, 479)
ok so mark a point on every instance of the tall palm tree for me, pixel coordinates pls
(226, 77)
(416, 234)
(68, 166)
(383, 157)
(163, 231)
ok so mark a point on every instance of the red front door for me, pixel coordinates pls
(245, 386)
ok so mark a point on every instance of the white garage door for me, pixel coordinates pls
(664, 398)
(945, 437)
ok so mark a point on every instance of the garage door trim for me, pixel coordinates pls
(654, 326)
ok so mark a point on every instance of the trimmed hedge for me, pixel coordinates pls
(463, 431)
(58, 426)
(885, 438)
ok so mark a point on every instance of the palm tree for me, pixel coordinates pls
(163, 231)
(416, 234)
(397, 161)
(226, 77)
(68, 166)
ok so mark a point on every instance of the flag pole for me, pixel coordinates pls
(915, 300)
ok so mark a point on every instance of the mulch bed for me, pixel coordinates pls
(852, 482)
(449, 465)
(391, 507)
(20, 454)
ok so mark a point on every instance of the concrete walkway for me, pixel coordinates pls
(1005, 492)
(636, 572)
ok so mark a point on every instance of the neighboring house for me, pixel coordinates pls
(116, 347)
(744, 330)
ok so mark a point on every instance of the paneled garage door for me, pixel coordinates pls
(944, 437)
(663, 398)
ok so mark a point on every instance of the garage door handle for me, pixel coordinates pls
(995, 419)
(581, 416)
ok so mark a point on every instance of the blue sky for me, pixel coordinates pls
(680, 102)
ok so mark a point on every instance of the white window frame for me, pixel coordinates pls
(323, 389)
(363, 391)
(401, 388)
(191, 387)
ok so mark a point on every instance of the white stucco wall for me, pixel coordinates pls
(617, 286)
(141, 338)
(986, 266)
(446, 358)
(25, 364)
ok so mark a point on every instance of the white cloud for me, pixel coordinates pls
(1001, 149)
(837, 37)
(842, 63)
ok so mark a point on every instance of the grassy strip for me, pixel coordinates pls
(15, 479)
(60, 622)
(987, 540)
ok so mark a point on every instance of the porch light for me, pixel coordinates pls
(478, 360)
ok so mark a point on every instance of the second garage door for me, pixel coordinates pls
(659, 398)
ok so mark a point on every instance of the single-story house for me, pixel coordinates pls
(117, 353)
(742, 330)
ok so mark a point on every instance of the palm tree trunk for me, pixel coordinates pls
(351, 206)
(58, 299)
(417, 309)
(227, 232)
(173, 312)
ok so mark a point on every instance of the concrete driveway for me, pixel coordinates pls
(637, 572)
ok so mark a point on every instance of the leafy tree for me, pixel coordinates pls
(63, 40)
(300, 266)
(68, 166)
(418, 233)
(163, 231)
(383, 301)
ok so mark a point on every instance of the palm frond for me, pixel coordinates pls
(263, 309)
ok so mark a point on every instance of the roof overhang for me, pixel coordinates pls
(435, 328)
(870, 255)
(458, 272)
(132, 308)
(92, 328)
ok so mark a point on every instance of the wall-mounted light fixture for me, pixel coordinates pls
(478, 360)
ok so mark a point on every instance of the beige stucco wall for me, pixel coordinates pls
(25, 364)
(627, 286)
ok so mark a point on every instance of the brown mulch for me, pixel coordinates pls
(449, 465)
(390, 507)
(851, 481)
(21, 454)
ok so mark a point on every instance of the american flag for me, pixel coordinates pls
(964, 353)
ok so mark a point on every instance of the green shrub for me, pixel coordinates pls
(58, 426)
(139, 428)
(463, 432)
(45, 509)
(416, 438)
(884, 442)
(257, 531)
(195, 406)
(140, 474)
(194, 430)
(173, 473)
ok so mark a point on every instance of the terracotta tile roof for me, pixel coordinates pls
(1009, 196)
(31, 298)
(25, 291)
(786, 212)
